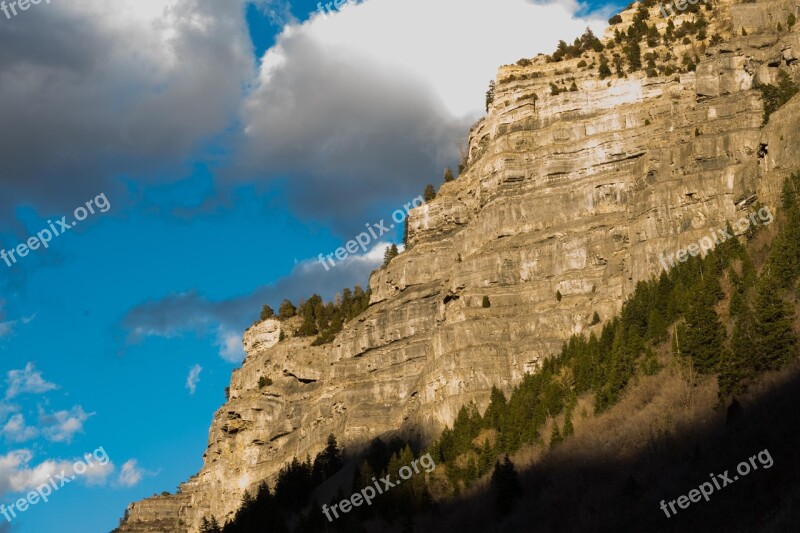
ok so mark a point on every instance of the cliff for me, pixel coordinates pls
(576, 193)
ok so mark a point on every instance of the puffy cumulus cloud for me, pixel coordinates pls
(17, 430)
(97, 474)
(193, 378)
(27, 381)
(227, 319)
(372, 101)
(90, 89)
(229, 342)
(130, 474)
(18, 474)
(61, 426)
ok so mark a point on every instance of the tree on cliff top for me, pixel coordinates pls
(267, 312)
(430, 192)
(286, 310)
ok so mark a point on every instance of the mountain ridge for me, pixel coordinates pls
(574, 193)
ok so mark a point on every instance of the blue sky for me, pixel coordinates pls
(226, 177)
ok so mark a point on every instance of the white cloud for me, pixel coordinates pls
(27, 381)
(97, 473)
(371, 102)
(16, 430)
(130, 474)
(230, 346)
(18, 475)
(193, 378)
(61, 426)
(456, 45)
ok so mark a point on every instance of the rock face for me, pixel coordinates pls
(577, 193)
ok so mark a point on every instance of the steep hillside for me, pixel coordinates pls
(566, 201)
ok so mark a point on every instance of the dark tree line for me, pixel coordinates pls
(268, 511)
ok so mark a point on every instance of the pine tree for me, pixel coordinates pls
(448, 175)
(210, 526)
(430, 192)
(506, 486)
(732, 375)
(327, 463)
(267, 312)
(776, 95)
(634, 53)
(485, 458)
(776, 340)
(390, 253)
(286, 310)
(603, 70)
(702, 335)
(568, 427)
(490, 95)
(493, 417)
(555, 436)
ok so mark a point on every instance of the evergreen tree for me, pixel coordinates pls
(210, 526)
(485, 458)
(603, 69)
(569, 429)
(430, 193)
(776, 340)
(390, 253)
(702, 335)
(555, 436)
(493, 417)
(267, 312)
(448, 175)
(490, 95)
(634, 54)
(327, 463)
(286, 310)
(506, 486)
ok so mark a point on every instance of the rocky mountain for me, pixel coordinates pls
(566, 200)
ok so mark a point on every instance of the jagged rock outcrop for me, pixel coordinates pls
(576, 193)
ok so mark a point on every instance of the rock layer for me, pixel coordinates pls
(577, 194)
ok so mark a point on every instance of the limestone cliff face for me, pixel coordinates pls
(576, 193)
